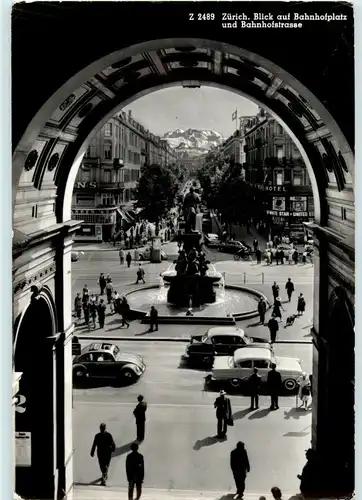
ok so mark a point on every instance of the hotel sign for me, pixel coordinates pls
(272, 189)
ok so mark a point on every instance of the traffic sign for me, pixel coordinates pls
(23, 449)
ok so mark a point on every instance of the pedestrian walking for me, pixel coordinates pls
(289, 286)
(124, 311)
(290, 256)
(104, 444)
(240, 466)
(223, 414)
(121, 256)
(274, 385)
(135, 471)
(258, 255)
(301, 305)
(255, 244)
(273, 329)
(275, 290)
(108, 278)
(277, 309)
(304, 390)
(254, 386)
(129, 259)
(140, 274)
(153, 319)
(78, 306)
(93, 311)
(109, 291)
(140, 415)
(262, 310)
(102, 283)
(101, 313)
(295, 256)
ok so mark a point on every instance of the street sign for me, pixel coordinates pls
(76, 348)
(23, 449)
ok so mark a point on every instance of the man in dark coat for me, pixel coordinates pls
(223, 414)
(140, 415)
(240, 466)
(102, 283)
(310, 477)
(275, 290)
(104, 443)
(289, 286)
(254, 385)
(101, 313)
(262, 310)
(273, 326)
(153, 319)
(135, 470)
(274, 386)
(78, 306)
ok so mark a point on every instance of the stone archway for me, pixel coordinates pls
(78, 96)
(35, 357)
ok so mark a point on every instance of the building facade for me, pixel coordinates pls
(104, 189)
(276, 170)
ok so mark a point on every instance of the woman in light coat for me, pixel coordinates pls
(304, 389)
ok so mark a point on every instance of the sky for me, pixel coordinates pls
(204, 108)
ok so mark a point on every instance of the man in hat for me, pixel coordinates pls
(104, 443)
(135, 471)
(140, 415)
(223, 413)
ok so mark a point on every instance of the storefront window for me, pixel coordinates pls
(279, 178)
(297, 179)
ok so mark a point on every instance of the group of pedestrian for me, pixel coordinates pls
(126, 257)
(280, 256)
(105, 446)
(94, 307)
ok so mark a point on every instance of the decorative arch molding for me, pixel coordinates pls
(45, 295)
(57, 136)
(339, 301)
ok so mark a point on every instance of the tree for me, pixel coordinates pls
(210, 175)
(156, 192)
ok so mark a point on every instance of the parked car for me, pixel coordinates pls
(145, 254)
(103, 360)
(212, 240)
(237, 369)
(217, 341)
(232, 247)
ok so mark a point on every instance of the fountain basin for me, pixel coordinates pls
(232, 303)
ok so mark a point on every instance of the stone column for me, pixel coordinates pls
(63, 300)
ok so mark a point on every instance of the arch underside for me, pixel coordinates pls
(58, 136)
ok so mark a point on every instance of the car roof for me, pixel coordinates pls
(99, 347)
(253, 353)
(225, 330)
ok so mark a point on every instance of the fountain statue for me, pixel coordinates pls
(192, 282)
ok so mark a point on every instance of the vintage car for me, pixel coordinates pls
(145, 254)
(104, 360)
(212, 240)
(237, 369)
(218, 341)
(232, 247)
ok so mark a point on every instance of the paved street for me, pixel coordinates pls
(181, 425)
(87, 269)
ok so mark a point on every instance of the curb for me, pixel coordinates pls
(76, 248)
(141, 338)
(145, 338)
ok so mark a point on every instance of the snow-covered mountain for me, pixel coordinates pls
(193, 139)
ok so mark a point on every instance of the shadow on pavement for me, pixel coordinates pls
(260, 414)
(258, 323)
(241, 414)
(296, 413)
(228, 496)
(121, 450)
(92, 483)
(208, 441)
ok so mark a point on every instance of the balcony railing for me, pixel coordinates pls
(111, 185)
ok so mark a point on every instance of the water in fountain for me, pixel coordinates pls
(161, 290)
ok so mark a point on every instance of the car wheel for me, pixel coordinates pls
(290, 384)
(235, 383)
(128, 375)
(80, 372)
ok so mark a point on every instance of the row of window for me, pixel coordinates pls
(279, 178)
(109, 176)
